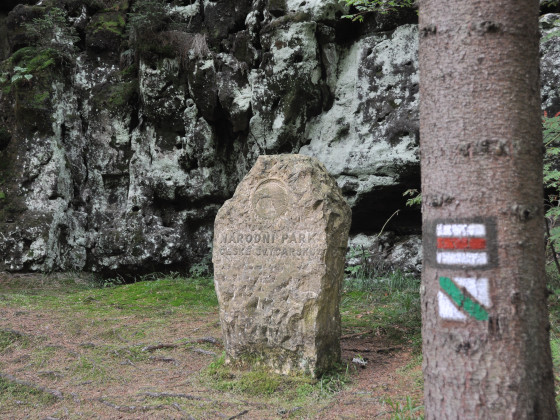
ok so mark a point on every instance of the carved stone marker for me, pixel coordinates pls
(279, 247)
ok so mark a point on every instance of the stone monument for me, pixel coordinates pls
(279, 248)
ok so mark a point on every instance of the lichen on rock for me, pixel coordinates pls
(116, 151)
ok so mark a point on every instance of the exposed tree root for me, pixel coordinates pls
(202, 351)
(161, 346)
(238, 415)
(131, 408)
(171, 395)
(12, 332)
(15, 380)
(347, 336)
(379, 350)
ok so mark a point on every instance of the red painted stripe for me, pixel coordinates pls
(461, 243)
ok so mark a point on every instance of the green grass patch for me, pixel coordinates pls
(111, 21)
(34, 59)
(251, 379)
(553, 284)
(41, 356)
(12, 393)
(9, 338)
(91, 367)
(162, 296)
(122, 94)
(388, 304)
(170, 292)
(407, 409)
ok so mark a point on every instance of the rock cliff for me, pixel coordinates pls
(124, 125)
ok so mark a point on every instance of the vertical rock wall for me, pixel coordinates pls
(116, 155)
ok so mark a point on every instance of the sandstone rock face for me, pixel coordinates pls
(386, 252)
(550, 53)
(279, 247)
(116, 156)
(369, 138)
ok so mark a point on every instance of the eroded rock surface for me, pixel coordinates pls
(116, 154)
(279, 251)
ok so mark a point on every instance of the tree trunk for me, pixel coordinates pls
(485, 321)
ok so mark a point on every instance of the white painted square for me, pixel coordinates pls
(462, 258)
(461, 230)
(447, 310)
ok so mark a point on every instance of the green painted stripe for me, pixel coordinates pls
(469, 306)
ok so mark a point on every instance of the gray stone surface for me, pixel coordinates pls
(279, 247)
(386, 252)
(122, 168)
(550, 58)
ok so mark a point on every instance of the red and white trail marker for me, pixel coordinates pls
(461, 244)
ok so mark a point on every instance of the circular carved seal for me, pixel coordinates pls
(270, 199)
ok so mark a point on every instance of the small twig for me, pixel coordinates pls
(201, 351)
(130, 408)
(178, 407)
(171, 395)
(15, 380)
(347, 336)
(551, 244)
(385, 224)
(162, 359)
(210, 340)
(160, 346)
(239, 415)
(379, 350)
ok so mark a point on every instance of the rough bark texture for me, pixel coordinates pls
(487, 355)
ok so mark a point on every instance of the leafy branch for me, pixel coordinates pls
(551, 180)
(53, 31)
(364, 7)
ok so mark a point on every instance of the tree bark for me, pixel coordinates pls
(485, 321)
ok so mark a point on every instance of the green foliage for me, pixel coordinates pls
(551, 176)
(112, 281)
(415, 197)
(34, 59)
(53, 31)
(9, 338)
(553, 285)
(112, 22)
(389, 304)
(28, 62)
(202, 268)
(105, 296)
(409, 410)
(332, 382)
(363, 268)
(28, 76)
(148, 16)
(13, 393)
(168, 291)
(122, 94)
(364, 7)
(20, 73)
(248, 379)
(251, 379)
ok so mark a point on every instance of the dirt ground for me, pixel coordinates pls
(134, 367)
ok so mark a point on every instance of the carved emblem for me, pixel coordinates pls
(270, 199)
